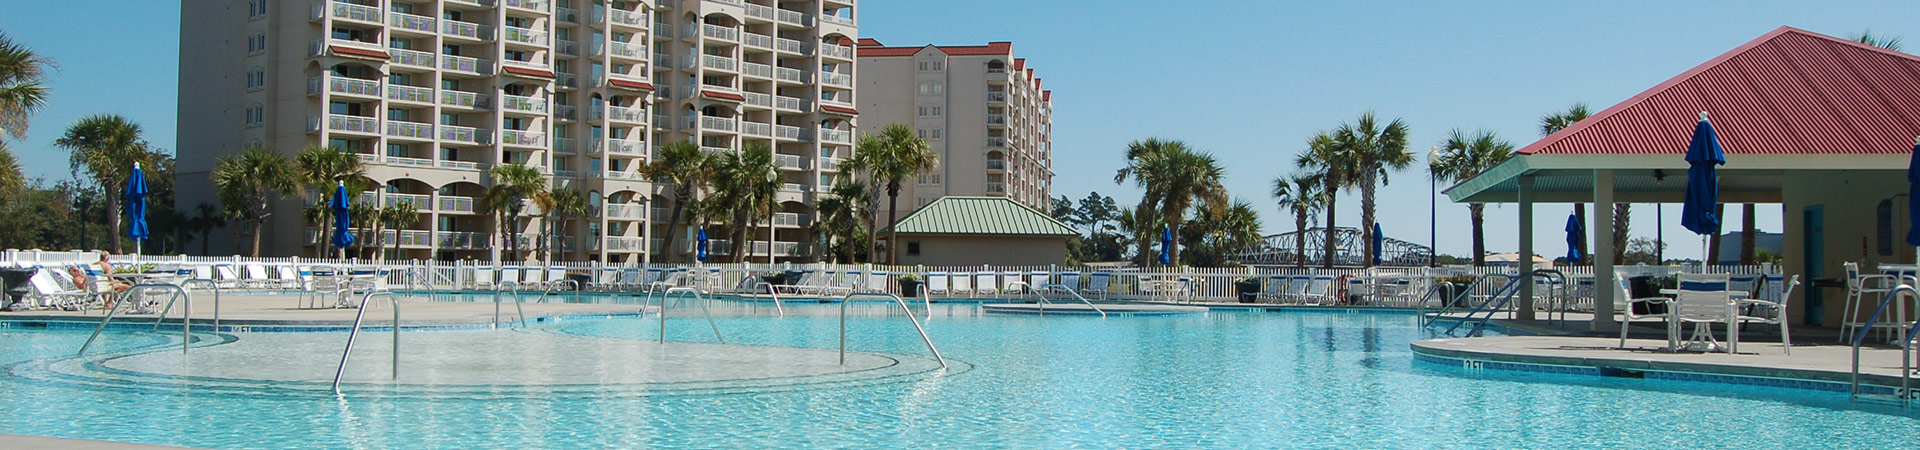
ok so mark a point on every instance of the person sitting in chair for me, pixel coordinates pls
(85, 281)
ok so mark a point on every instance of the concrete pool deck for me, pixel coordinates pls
(254, 310)
(23, 442)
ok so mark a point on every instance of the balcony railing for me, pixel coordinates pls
(793, 17)
(410, 57)
(996, 119)
(468, 30)
(758, 99)
(786, 219)
(717, 123)
(568, 15)
(461, 240)
(793, 162)
(756, 40)
(996, 164)
(421, 202)
(756, 69)
(451, 203)
(344, 85)
(829, 164)
(536, 5)
(468, 135)
(836, 51)
(712, 31)
(406, 21)
(626, 244)
(623, 175)
(756, 129)
(789, 45)
(364, 13)
(632, 50)
(793, 187)
(996, 188)
(357, 124)
(467, 99)
(996, 96)
(409, 93)
(523, 104)
(626, 147)
(524, 35)
(717, 62)
(624, 17)
(566, 112)
(787, 74)
(715, 150)
(626, 114)
(566, 79)
(459, 165)
(996, 141)
(628, 212)
(836, 19)
(523, 138)
(760, 11)
(414, 130)
(563, 145)
(465, 64)
(835, 136)
(789, 103)
(788, 132)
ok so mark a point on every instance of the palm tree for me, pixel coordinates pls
(1219, 231)
(318, 170)
(897, 153)
(1330, 163)
(21, 90)
(1554, 122)
(561, 205)
(839, 219)
(1183, 177)
(1139, 154)
(1463, 157)
(1376, 152)
(1889, 43)
(249, 182)
(206, 217)
(106, 147)
(13, 181)
(744, 185)
(396, 217)
(1299, 194)
(684, 169)
(513, 185)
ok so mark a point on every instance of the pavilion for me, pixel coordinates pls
(1821, 126)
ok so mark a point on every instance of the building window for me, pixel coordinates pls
(931, 134)
(931, 179)
(256, 115)
(931, 88)
(913, 247)
(256, 9)
(257, 44)
(933, 65)
(930, 111)
(256, 79)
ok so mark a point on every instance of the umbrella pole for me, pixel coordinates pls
(1704, 257)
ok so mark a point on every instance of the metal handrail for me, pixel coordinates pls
(703, 307)
(1906, 362)
(216, 298)
(357, 316)
(517, 301)
(1502, 297)
(1559, 296)
(772, 292)
(903, 308)
(1051, 286)
(1464, 293)
(126, 298)
(552, 285)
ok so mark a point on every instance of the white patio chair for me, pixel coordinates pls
(1868, 287)
(227, 277)
(1274, 287)
(1639, 309)
(257, 278)
(1098, 284)
(962, 284)
(45, 290)
(533, 278)
(509, 277)
(483, 279)
(1319, 291)
(876, 282)
(937, 284)
(1069, 282)
(289, 277)
(1037, 282)
(985, 284)
(1011, 284)
(1297, 287)
(604, 279)
(1703, 300)
(1770, 307)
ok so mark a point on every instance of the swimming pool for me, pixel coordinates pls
(1225, 379)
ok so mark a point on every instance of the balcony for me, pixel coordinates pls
(629, 50)
(409, 94)
(626, 244)
(788, 74)
(715, 150)
(759, 41)
(563, 145)
(624, 147)
(760, 12)
(466, 99)
(829, 18)
(474, 66)
(353, 124)
(626, 114)
(566, 80)
(627, 176)
(836, 136)
(536, 5)
(524, 35)
(717, 123)
(565, 112)
(789, 103)
(758, 99)
(997, 164)
(997, 188)
(793, 187)
(789, 46)
(350, 11)
(421, 202)
(455, 133)
(836, 51)
(786, 219)
(756, 129)
(788, 132)
(996, 141)
(996, 96)
(568, 15)
(624, 212)
(789, 162)
(830, 164)
(523, 138)
(628, 18)
(711, 31)
(409, 22)
(343, 85)
(717, 62)
(414, 130)
(461, 240)
(791, 17)
(410, 57)
(519, 104)
(756, 70)
(996, 119)
(453, 203)
(467, 30)
(459, 165)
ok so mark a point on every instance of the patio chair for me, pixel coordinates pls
(45, 291)
(876, 283)
(509, 276)
(937, 284)
(1360, 287)
(962, 284)
(289, 277)
(809, 282)
(1703, 300)
(1099, 282)
(1637, 307)
(1859, 286)
(1011, 284)
(1037, 282)
(557, 277)
(227, 277)
(482, 279)
(1273, 288)
(1770, 307)
(1319, 290)
(1069, 282)
(533, 278)
(605, 279)
(984, 284)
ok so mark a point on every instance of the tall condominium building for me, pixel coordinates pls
(433, 93)
(980, 108)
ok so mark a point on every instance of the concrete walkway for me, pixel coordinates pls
(285, 310)
(22, 442)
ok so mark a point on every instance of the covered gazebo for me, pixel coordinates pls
(1821, 126)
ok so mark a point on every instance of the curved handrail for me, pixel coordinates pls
(773, 292)
(126, 298)
(553, 285)
(1051, 286)
(703, 308)
(357, 316)
(517, 301)
(1906, 368)
(216, 298)
(1471, 287)
(903, 308)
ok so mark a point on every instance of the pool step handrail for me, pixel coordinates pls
(355, 332)
(704, 307)
(1492, 305)
(126, 298)
(848, 299)
(517, 301)
(1906, 343)
(1464, 293)
(771, 292)
(1038, 293)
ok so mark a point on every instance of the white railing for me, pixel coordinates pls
(996, 164)
(358, 124)
(626, 147)
(468, 30)
(624, 17)
(996, 119)
(789, 45)
(787, 132)
(629, 212)
(793, 187)
(758, 99)
(717, 62)
(410, 129)
(364, 13)
(629, 176)
(793, 17)
(829, 164)
(524, 35)
(467, 99)
(715, 150)
(452, 203)
(536, 5)
(344, 85)
(789, 74)
(760, 11)
(756, 40)
(523, 138)
(410, 57)
(411, 22)
(996, 141)
(836, 51)
(632, 50)
(848, 21)
(421, 202)
(462, 134)
(712, 31)
(626, 114)
(406, 161)
(465, 64)
(786, 219)
(409, 93)
(756, 69)
(717, 123)
(756, 128)
(789, 103)
(523, 104)
(835, 136)
(794, 162)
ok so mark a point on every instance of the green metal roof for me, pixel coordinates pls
(981, 215)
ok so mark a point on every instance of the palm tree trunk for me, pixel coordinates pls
(206, 236)
(1746, 234)
(1366, 217)
(1300, 240)
(1326, 259)
(256, 237)
(1142, 239)
(673, 222)
(893, 218)
(1621, 213)
(113, 211)
(1477, 213)
(1175, 223)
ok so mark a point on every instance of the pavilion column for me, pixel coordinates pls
(1525, 302)
(1603, 281)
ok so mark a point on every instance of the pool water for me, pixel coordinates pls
(1218, 380)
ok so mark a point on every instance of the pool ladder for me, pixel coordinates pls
(697, 296)
(186, 318)
(355, 332)
(844, 301)
(1041, 294)
(1503, 297)
(1906, 344)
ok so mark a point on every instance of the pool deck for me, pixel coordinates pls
(257, 310)
(23, 442)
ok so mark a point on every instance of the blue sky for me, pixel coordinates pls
(1248, 81)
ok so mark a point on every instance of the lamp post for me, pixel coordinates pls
(1433, 209)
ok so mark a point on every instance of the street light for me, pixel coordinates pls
(1433, 209)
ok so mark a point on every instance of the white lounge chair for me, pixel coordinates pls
(509, 277)
(45, 290)
(844, 284)
(289, 277)
(1069, 283)
(227, 277)
(1771, 308)
(533, 278)
(1012, 285)
(937, 284)
(632, 279)
(483, 279)
(1274, 288)
(985, 284)
(962, 284)
(1319, 290)
(1100, 283)
(876, 282)
(257, 278)
(1037, 282)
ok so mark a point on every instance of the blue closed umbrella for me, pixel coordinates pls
(1166, 245)
(342, 227)
(700, 246)
(1913, 195)
(1378, 238)
(1699, 214)
(1576, 233)
(136, 197)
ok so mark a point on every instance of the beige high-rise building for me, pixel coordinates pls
(980, 108)
(433, 93)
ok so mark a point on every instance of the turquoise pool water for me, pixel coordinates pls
(1218, 380)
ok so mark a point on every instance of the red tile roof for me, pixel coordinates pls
(629, 84)
(361, 52)
(1020, 64)
(1046, 96)
(871, 47)
(1790, 91)
(525, 72)
(1036, 82)
(723, 95)
(840, 109)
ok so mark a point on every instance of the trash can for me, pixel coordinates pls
(1248, 290)
(580, 280)
(1644, 287)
